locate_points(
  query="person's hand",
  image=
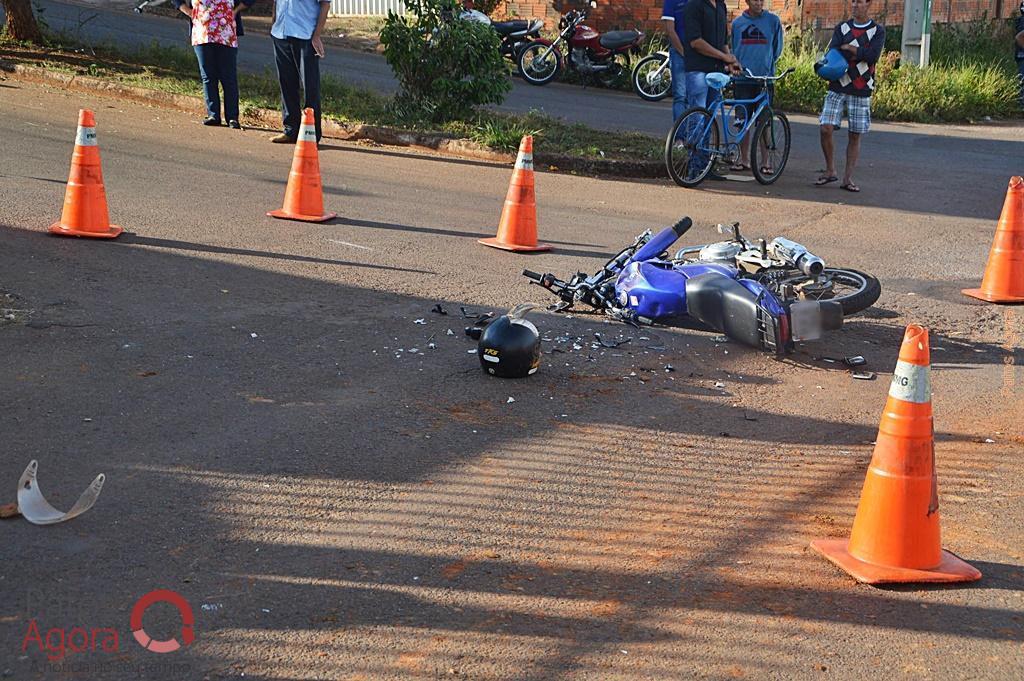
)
(730, 58)
(849, 48)
(318, 45)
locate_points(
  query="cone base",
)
(494, 243)
(282, 215)
(950, 568)
(112, 232)
(981, 294)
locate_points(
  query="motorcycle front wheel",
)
(646, 84)
(853, 290)
(691, 147)
(535, 67)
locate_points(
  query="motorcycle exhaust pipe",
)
(796, 255)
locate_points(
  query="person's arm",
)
(873, 50)
(318, 43)
(242, 5)
(695, 39)
(668, 24)
(1019, 38)
(780, 41)
(183, 7)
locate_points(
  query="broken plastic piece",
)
(855, 361)
(864, 375)
(439, 310)
(37, 510)
(474, 332)
(610, 343)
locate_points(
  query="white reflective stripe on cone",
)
(307, 133)
(524, 161)
(86, 137)
(911, 383)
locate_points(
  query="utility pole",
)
(917, 32)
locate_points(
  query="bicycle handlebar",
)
(748, 74)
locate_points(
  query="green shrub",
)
(445, 67)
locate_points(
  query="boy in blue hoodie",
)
(757, 43)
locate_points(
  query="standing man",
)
(860, 40)
(1018, 43)
(757, 43)
(706, 48)
(674, 25)
(297, 52)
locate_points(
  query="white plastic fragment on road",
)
(419, 321)
(38, 511)
(510, 400)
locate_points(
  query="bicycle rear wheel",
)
(769, 150)
(691, 147)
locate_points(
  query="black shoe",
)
(283, 139)
(211, 121)
(235, 125)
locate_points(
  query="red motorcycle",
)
(590, 53)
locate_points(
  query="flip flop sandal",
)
(823, 180)
(738, 167)
(850, 187)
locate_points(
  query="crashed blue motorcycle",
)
(767, 295)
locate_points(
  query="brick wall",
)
(819, 14)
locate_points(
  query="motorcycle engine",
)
(724, 252)
(581, 60)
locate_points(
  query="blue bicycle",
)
(702, 136)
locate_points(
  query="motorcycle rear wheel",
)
(536, 70)
(652, 91)
(852, 289)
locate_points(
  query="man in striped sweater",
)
(861, 41)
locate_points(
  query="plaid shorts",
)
(858, 111)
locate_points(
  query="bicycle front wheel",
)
(691, 147)
(769, 150)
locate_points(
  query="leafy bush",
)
(445, 67)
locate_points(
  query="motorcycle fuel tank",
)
(656, 290)
(584, 36)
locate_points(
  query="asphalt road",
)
(337, 499)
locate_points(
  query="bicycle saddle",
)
(717, 81)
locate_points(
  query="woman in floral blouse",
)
(215, 40)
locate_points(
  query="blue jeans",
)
(697, 91)
(678, 68)
(297, 66)
(218, 66)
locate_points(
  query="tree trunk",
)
(21, 22)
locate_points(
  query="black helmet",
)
(510, 345)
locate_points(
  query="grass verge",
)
(171, 69)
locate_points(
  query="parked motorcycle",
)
(590, 53)
(652, 77)
(515, 35)
(767, 295)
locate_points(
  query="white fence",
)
(366, 7)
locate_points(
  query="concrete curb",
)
(438, 142)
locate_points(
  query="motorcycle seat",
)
(613, 40)
(508, 27)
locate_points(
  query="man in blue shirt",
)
(757, 42)
(297, 52)
(675, 30)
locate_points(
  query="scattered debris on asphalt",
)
(864, 375)
(9, 511)
(419, 321)
(439, 310)
(38, 511)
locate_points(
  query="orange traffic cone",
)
(85, 201)
(895, 535)
(1004, 275)
(517, 230)
(304, 196)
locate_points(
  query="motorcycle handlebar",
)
(532, 275)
